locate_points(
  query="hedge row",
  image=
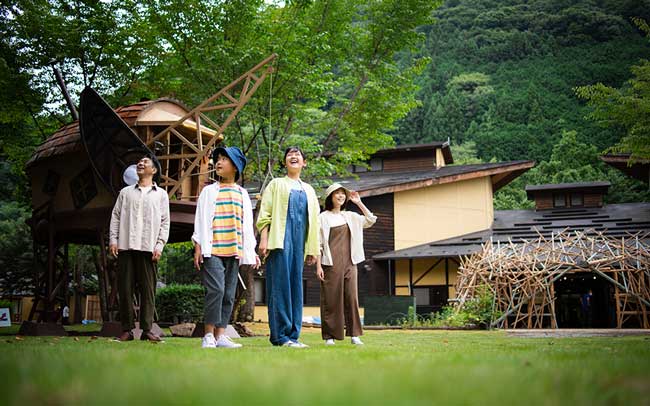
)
(180, 303)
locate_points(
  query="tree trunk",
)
(245, 299)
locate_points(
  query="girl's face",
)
(294, 161)
(224, 167)
(338, 198)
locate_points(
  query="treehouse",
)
(77, 173)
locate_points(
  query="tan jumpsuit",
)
(339, 300)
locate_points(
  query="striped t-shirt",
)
(227, 223)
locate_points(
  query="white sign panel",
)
(5, 320)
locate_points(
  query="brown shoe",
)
(126, 336)
(149, 336)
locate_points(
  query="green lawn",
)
(394, 367)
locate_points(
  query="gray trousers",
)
(220, 280)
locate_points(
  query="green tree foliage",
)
(16, 257)
(337, 88)
(177, 266)
(572, 161)
(626, 108)
(531, 55)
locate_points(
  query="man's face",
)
(145, 167)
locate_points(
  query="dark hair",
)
(292, 149)
(329, 205)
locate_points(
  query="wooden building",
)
(429, 269)
(418, 196)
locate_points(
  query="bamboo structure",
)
(521, 275)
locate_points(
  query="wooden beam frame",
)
(249, 82)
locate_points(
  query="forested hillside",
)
(501, 86)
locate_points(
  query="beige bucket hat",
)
(333, 188)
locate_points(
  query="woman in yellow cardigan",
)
(288, 225)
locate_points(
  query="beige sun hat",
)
(333, 188)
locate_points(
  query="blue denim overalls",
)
(284, 274)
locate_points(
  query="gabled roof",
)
(597, 187)
(378, 183)
(68, 138)
(401, 149)
(638, 169)
(614, 220)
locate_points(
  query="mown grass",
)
(394, 367)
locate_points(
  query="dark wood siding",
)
(373, 276)
(593, 200)
(410, 162)
(544, 200)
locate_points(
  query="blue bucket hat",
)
(235, 155)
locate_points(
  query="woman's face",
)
(294, 161)
(338, 198)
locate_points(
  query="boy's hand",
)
(198, 258)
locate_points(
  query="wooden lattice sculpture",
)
(522, 274)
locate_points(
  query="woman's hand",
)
(198, 258)
(320, 273)
(257, 263)
(262, 249)
(354, 197)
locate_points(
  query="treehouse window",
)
(83, 188)
(51, 183)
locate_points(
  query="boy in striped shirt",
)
(223, 241)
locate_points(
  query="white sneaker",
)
(329, 341)
(225, 342)
(295, 344)
(356, 341)
(209, 341)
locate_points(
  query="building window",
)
(430, 298)
(83, 188)
(260, 291)
(51, 183)
(360, 168)
(576, 199)
(422, 296)
(559, 200)
(376, 164)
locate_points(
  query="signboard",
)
(5, 320)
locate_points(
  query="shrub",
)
(180, 303)
(5, 304)
(476, 312)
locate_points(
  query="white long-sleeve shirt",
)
(356, 223)
(203, 224)
(140, 219)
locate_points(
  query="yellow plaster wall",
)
(435, 277)
(442, 211)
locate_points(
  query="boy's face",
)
(294, 160)
(145, 167)
(224, 167)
